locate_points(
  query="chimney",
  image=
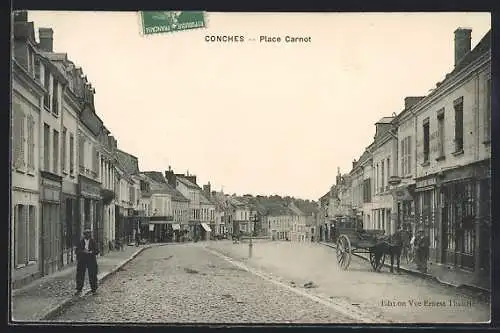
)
(354, 163)
(171, 178)
(21, 16)
(412, 100)
(46, 36)
(462, 43)
(207, 189)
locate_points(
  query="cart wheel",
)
(343, 252)
(377, 265)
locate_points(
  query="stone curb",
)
(50, 314)
(424, 275)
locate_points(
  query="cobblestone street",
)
(300, 263)
(185, 283)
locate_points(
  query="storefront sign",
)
(426, 182)
(51, 194)
(89, 189)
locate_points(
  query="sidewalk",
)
(46, 296)
(453, 277)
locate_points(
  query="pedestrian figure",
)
(137, 238)
(422, 244)
(86, 253)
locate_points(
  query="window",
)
(440, 119)
(18, 136)
(81, 153)
(37, 69)
(25, 235)
(46, 84)
(382, 179)
(31, 143)
(406, 156)
(63, 150)
(367, 197)
(388, 168)
(55, 100)
(487, 116)
(71, 154)
(55, 152)
(46, 147)
(459, 124)
(426, 140)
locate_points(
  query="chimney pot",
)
(462, 43)
(46, 36)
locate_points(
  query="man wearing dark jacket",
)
(86, 253)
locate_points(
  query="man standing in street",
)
(422, 250)
(86, 253)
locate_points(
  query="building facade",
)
(384, 161)
(27, 94)
(452, 159)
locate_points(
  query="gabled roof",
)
(187, 183)
(163, 187)
(155, 175)
(129, 162)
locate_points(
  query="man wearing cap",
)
(86, 253)
(422, 250)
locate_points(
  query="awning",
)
(176, 226)
(206, 227)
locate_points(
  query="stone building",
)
(450, 136)
(26, 112)
(384, 162)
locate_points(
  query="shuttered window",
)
(31, 143)
(19, 136)
(81, 148)
(63, 149)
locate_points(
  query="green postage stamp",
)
(158, 22)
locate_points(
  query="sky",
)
(257, 118)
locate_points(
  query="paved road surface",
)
(401, 294)
(185, 283)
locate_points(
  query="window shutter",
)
(23, 140)
(408, 153)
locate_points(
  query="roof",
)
(385, 120)
(307, 207)
(204, 200)
(155, 175)
(163, 187)
(479, 50)
(187, 183)
(129, 162)
(279, 210)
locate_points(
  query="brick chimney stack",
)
(207, 190)
(46, 36)
(462, 43)
(171, 178)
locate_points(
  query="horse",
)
(391, 245)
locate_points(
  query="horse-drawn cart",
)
(351, 238)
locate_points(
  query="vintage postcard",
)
(247, 168)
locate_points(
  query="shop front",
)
(427, 217)
(205, 231)
(161, 229)
(69, 221)
(51, 245)
(90, 209)
(465, 201)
